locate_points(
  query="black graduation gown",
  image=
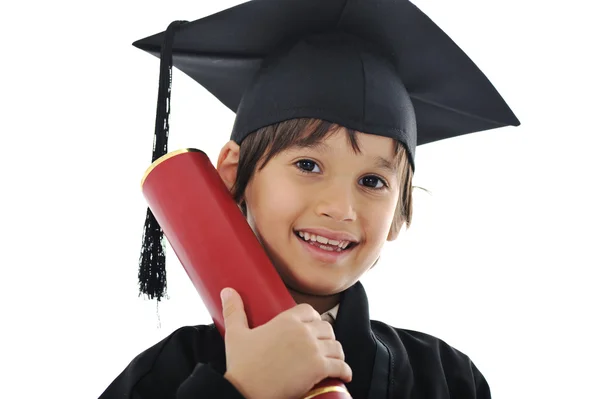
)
(386, 363)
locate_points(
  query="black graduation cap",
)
(376, 66)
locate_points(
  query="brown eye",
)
(306, 165)
(373, 182)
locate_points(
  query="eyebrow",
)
(381, 162)
(385, 164)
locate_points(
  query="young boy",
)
(328, 97)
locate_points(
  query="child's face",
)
(331, 188)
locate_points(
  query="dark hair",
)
(260, 147)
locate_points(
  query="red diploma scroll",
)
(215, 244)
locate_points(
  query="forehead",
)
(340, 140)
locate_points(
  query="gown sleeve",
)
(171, 370)
(434, 369)
(466, 382)
(482, 389)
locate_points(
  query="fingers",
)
(234, 315)
(305, 313)
(336, 368)
(321, 329)
(332, 349)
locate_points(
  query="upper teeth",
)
(323, 240)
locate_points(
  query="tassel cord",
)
(152, 277)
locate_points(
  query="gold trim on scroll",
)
(320, 391)
(164, 158)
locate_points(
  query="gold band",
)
(320, 391)
(164, 158)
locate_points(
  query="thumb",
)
(233, 309)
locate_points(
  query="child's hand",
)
(284, 358)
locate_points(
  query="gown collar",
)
(353, 329)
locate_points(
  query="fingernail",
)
(225, 294)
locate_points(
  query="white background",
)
(501, 261)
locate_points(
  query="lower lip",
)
(322, 254)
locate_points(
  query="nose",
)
(336, 202)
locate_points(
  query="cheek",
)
(377, 219)
(273, 201)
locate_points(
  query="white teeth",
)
(323, 240)
(330, 249)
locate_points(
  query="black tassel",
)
(152, 273)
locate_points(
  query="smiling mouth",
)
(325, 244)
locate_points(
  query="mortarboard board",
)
(375, 66)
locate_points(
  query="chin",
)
(314, 279)
(316, 285)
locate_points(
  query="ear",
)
(227, 164)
